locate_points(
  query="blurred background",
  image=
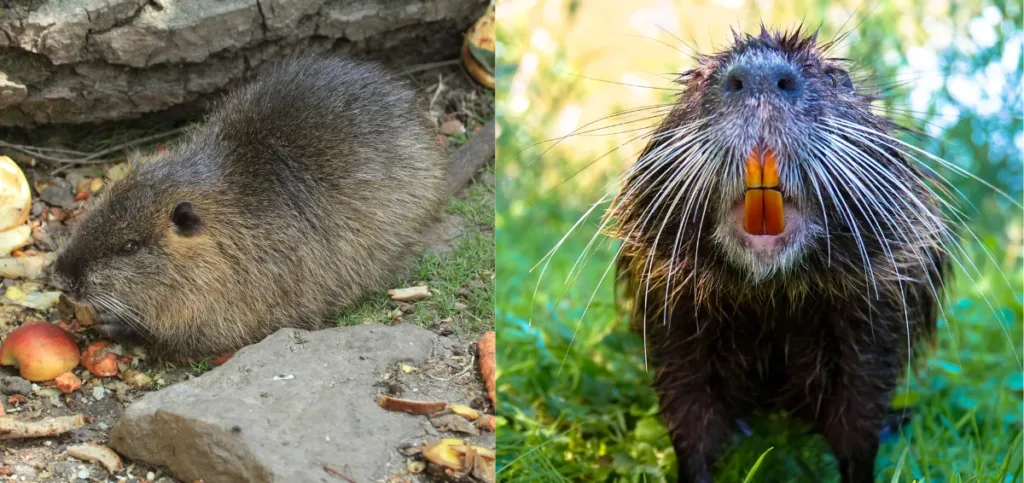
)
(576, 397)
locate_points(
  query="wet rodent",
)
(819, 320)
(299, 193)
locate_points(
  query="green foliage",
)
(576, 402)
(200, 367)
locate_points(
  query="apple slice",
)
(42, 351)
(14, 239)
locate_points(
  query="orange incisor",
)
(762, 214)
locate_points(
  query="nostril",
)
(733, 83)
(787, 83)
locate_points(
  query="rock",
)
(59, 193)
(453, 127)
(11, 92)
(11, 385)
(37, 208)
(239, 422)
(97, 60)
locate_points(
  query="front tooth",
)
(774, 222)
(770, 170)
(753, 175)
(753, 212)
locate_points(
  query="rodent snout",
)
(749, 77)
(66, 274)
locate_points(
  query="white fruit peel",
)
(15, 195)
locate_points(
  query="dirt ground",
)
(62, 191)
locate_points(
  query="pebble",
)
(453, 127)
(59, 193)
(12, 385)
(97, 392)
(74, 179)
(37, 209)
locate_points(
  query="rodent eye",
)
(837, 78)
(128, 248)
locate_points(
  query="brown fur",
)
(308, 188)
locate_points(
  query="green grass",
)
(200, 367)
(587, 410)
(576, 398)
(461, 280)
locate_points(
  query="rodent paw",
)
(112, 327)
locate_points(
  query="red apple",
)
(42, 351)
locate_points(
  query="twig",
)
(84, 158)
(430, 65)
(43, 149)
(131, 143)
(35, 152)
(337, 473)
(440, 87)
(11, 428)
(59, 150)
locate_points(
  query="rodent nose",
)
(66, 273)
(774, 76)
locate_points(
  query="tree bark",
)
(79, 61)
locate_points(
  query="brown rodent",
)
(301, 192)
(808, 294)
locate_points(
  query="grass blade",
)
(899, 466)
(757, 464)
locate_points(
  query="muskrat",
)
(780, 251)
(300, 192)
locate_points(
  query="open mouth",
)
(763, 220)
(762, 203)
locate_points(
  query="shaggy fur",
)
(300, 193)
(825, 327)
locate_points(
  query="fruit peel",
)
(100, 359)
(464, 411)
(15, 195)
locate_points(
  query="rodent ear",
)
(186, 219)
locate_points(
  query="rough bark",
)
(77, 61)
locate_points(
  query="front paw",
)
(112, 327)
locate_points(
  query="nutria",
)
(780, 252)
(300, 192)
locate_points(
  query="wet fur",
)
(816, 333)
(314, 185)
